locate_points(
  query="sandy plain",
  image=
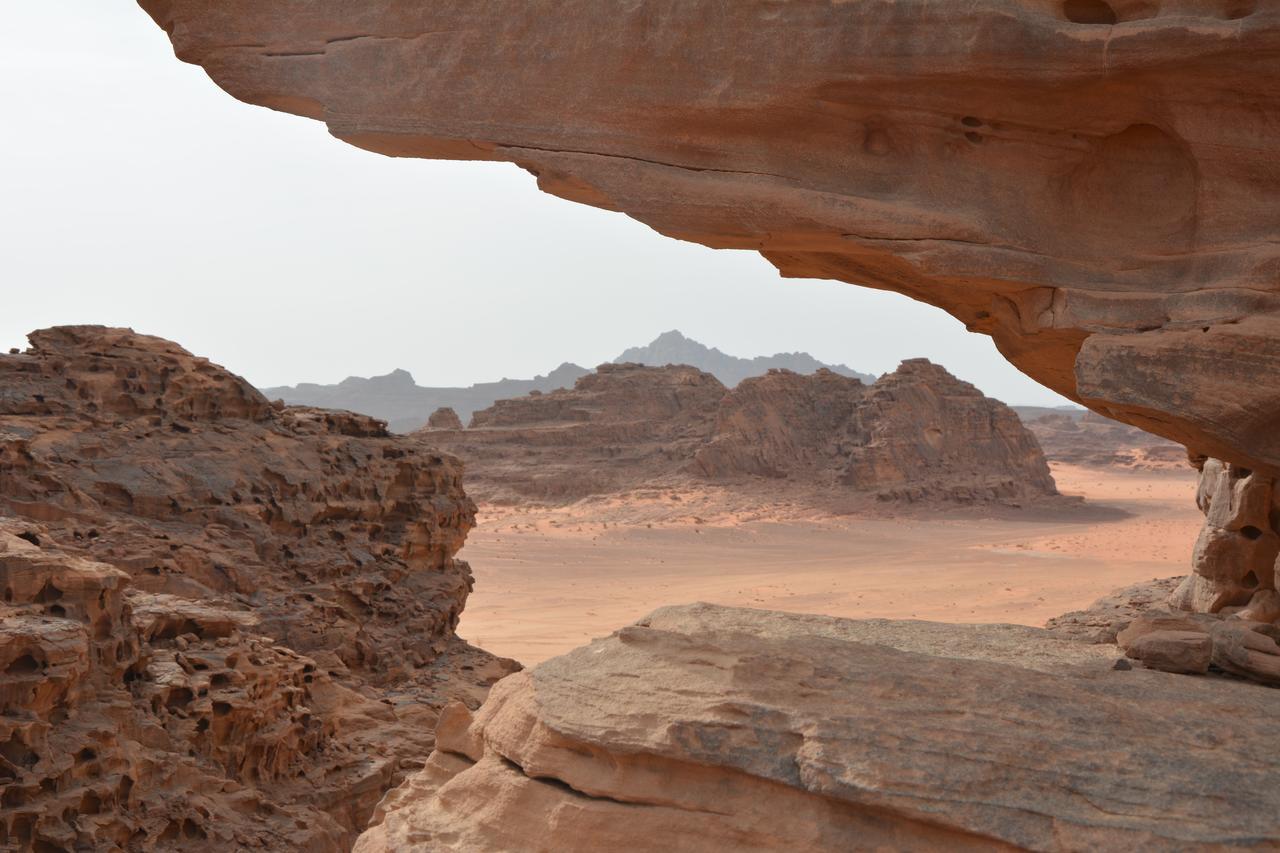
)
(548, 581)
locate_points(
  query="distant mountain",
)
(405, 405)
(674, 348)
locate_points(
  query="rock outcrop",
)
(618, 428)
(1091, 439)
(1235, 555)
(1089, 182)
(917, 434)
(224, 624)
(708, 728)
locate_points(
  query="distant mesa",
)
(397, 399)
(917, 434)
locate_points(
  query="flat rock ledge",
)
(704, 727)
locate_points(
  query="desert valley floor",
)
(549, 580)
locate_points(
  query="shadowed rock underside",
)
(1090, 182)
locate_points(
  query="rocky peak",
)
(117, 374)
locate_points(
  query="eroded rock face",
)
(1235, 556)
(222, 624)
(709, 728)
(917, 434)
(1090, 182)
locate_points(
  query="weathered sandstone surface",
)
(1093, 183)
(917, 434)
(708, 728)
(223, 625)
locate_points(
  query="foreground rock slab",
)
(703, 727)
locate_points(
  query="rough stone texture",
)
(1090, 182)
(917, 434)
(1091, 439)
(239, 619)
(1173, 651)
(708, 728)
(1192, 643)
(1235, 555)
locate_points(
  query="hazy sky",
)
(134, 192)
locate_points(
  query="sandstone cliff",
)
(916, 434)
(1090, 182)
(224, 625)
(710, 728)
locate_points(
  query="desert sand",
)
(548, 581)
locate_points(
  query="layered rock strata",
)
(225, 624)
(1089, 182)
(704, 728)
(916, 434)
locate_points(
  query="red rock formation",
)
(710, 728)
(616, 429)
(1090, 182)
(916, 434)
(223, 624)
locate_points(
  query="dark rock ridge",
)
(1090, 182)
(712, 728)
(674, 348)
(224, 625)
(406, 405)
(916, 434)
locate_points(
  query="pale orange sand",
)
(548, 581)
